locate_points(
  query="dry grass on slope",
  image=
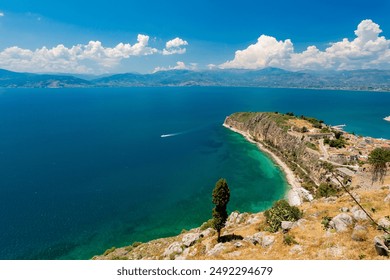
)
(308, 240)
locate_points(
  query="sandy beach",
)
(296, 191)
(387, 119)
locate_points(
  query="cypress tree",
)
(221, 196)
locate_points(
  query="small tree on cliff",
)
(221, 196)
(378, 159)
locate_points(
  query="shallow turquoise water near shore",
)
(83, 170)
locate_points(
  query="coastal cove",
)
(87, 169)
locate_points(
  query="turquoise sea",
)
(82, 170)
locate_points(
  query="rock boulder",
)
(341, 222)
(190, 239)
(359, 233)
(174, 249)
(359, 215)
(380, 246)
(267, 241)
(255, 239)
(384, 222)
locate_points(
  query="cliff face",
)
(273, 131)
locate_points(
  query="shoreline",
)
(295, 191)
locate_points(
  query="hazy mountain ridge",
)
(268, 77)
(9, 79)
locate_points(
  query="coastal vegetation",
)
(315, 122)
(221, 197)
(279, 212)
(338, 142)
(326, 190)
(311, 146)
(379, 158)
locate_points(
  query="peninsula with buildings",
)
(344, 203)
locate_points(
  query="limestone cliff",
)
(276, 132)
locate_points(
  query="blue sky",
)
(144, 36)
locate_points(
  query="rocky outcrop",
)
(384, 222)
(360, 215)
(190, 239)
(246, 236)
(255, 238)
(236, 218)
(380, 246)
(387, 199)
(266, 128)
(174, 249)
(341, 222)
(217, 249)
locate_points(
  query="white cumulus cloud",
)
(89, 58)
(180, 65)
(175, 46)
(1, 14)
(266, 52)
(367, 51)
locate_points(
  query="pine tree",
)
(221, 196)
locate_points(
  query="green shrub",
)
(108, 251)
(326, 190)
(309, 185)
(206, 225)
(328, 166)
(311, 146)
(336, 143)
(119, 258)
(281, 211)
(315, 122)
(289, 240)
(136, 244)
(325, 221)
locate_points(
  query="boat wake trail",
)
(196, 129)
(170, 135)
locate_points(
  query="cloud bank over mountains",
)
(367, 51)
(90, 58)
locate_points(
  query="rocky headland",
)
(345, 212)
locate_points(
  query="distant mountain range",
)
(268, 77)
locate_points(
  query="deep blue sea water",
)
(82, 170)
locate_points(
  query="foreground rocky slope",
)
(350, 235)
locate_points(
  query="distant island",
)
(367, 80)
(345, 203)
